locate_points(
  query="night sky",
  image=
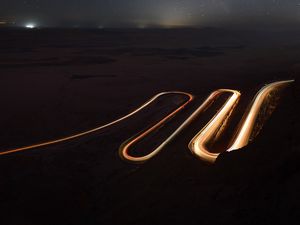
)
(146, 13)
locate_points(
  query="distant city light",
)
(30, 26)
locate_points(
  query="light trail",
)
(247, 123)
(125, 147)
(68, 138)
(198, 144)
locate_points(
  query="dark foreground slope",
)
(55, 83)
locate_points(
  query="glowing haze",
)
(147, 13)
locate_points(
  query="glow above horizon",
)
(30, 26)
(145, 13)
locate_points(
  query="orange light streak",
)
(125, 147)
(68, 138)
(198, 144)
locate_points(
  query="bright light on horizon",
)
(30, 26)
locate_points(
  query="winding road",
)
(198, 145)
